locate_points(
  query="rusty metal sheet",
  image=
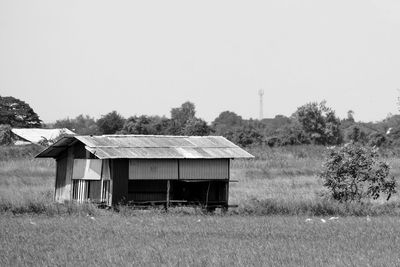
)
(165, 153)
(161, 147)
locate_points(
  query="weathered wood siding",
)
(61, 171)
(66, 193)
(119, 177)
(95, 190)
(153, 169)
(204, 169)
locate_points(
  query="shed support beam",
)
(67, 192)
(168, 194)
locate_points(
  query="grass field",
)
(193, 240)
(276, 193)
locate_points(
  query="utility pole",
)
(261, 94)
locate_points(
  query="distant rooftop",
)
(35, 135)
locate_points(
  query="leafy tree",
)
(180, 116)
(226, 124)
(319, 123)
(196, 127)
(246, 135)
(377, 139)
(227, 119)
(183, 113)
(17, 113)
(82, 124)
(356, 135)
(355, 173)
(110, 123)
(271, 126)
(291, 134)
(350, 116)
(153, 125)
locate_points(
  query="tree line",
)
(312, 123)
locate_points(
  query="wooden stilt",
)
(208, 191)
(168, 194)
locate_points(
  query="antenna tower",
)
(261, 94)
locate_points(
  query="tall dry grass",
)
(278, 181)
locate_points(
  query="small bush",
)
(355, 173)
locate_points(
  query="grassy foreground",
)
(192, 240)
(276, 193)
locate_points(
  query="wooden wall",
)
(64, 170)
(119, 177)
(153, 169)
(61, 172)
(204, 169)
(184, 169)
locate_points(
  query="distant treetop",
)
(17, 113)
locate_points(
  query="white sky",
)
(144, 57)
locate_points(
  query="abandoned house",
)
(143, 170)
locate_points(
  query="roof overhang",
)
(57, 148)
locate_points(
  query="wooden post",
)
(102, 181)
(208, 190)
(168, 194)
(67, 192)
(227, 187)
(56, 196)
(111, 185)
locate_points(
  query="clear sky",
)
(144, 57)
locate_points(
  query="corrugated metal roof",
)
(35, 135)
(151, 147)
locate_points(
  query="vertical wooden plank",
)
(227, 184)
(208, 191)
(61, 169)
(109, 193)
(56, 186)
(112, 182)
(73, 189)
(120, 175)
(67, 192)
(110, 188)
(87, 190)
(80, 190)
(101, 181)
(168, 193)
